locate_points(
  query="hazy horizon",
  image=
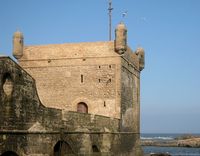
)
(168, 30)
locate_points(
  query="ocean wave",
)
(157, 138)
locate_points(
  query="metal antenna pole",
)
(110, 19)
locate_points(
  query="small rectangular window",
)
(81, 78)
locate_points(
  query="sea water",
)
(174, 151)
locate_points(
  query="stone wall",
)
(129, 92)
(80, 75)
(85, 143)
(21, 105)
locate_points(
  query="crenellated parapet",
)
(141, 56)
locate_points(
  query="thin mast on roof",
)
(110, 19)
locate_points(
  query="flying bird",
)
(124, 13)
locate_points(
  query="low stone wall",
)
(73, 143)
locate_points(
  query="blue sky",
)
(168, 30)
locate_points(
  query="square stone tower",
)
(100, 78)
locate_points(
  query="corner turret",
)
(18, 44)
(140, 53)
(120, 38)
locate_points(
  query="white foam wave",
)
(157, 138)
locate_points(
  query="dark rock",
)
(160, 154)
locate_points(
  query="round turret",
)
(18, 34)
(120, 38)
(140, 50)
(18, 45)
(140, 53)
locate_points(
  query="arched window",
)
(9, 153)
(62, 148)
(82, 107)
(7, 84)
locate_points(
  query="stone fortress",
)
(71, 99)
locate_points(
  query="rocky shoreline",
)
(183, 141)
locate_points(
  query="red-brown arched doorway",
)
(82, 107)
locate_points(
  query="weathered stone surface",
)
(68, 80)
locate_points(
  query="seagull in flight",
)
(124, 13)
